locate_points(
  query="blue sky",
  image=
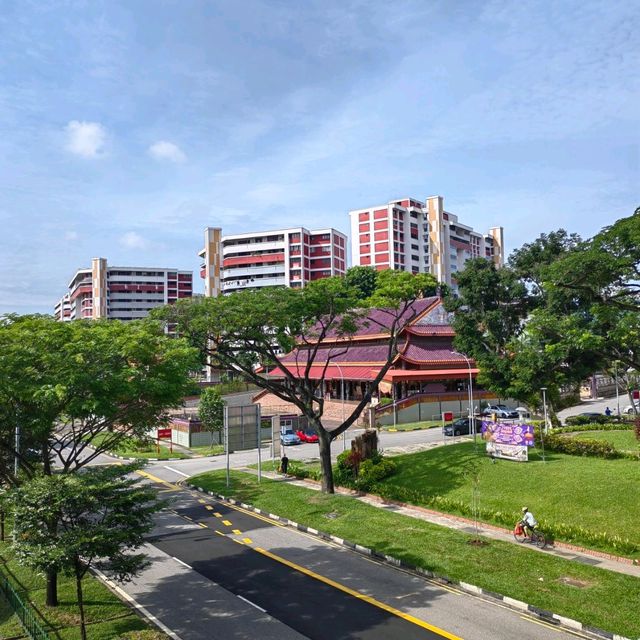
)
(126, 127)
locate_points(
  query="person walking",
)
(284, 464)
(607, 412)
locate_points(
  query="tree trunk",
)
(52, 588)
(324, 443)
(2, 516)
(83, 629)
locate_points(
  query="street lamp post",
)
(617, 389)
(344, 433)
(544, 405)
(472, 420)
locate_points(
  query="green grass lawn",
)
(207, 450)
(108, 616)
(621, 440)
(412, 426)
(127, 449)
(595, 494)
(606, 599)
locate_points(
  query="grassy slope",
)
(412, 426)
(608, 600)
(621, 440)
(110, 618)
(564, 489)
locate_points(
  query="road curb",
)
(544, 615)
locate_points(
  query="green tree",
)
(267, 322)
(211, 410)
(99, 518)
(560, 310)
(65, 384)
(363, 279)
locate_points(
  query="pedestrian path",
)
(560, 549)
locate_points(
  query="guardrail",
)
(25, 613)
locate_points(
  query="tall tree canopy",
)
(71, 522)
(64, 384)
(267, 322)
(558, 311)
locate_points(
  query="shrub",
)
(373, 472)
(593, 426)
(578, 420)
(385, 401)
(577, 447)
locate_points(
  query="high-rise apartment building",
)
(284, 257)
(420, 237)
(121, 293)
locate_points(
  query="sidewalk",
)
(560, 549)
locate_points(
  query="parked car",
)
(501, 411)
(591, 414)
(459, 427)
(288, 436)
(307, 435)
(629, 408)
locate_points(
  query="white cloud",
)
(71, 235)
(133, 240)
(164, 150)
(85, 139)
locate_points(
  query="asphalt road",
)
(222, 572)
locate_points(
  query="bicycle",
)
(536, 537)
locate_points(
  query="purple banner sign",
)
(502, 433)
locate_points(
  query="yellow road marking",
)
(145, 474)
(203, 525)
(357, 594)
(217, 515)
(247, 540)
(188, 518)
(238, 541)
(201, 501)
(209, 507)
(226, 522)
(237, 531)
(219, 532)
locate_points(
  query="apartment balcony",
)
(253, 247)
(251, 283)
(247, 272)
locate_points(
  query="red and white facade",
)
(284, 257)
(121, 293)
(420, 237)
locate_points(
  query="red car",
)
(307, 436)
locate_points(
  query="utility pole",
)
(16, 459)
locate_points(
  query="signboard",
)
(511, 452)
(636, 394)
(242, 431)
(513, 434)
(508, 441)
(447, 416)
(164, 434)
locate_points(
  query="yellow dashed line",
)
(226, 522)
(237, 531)
(201, 501)
(356, 594)
(203, 525)
(247, 540)
(209, 507)
(217, 515)
(238, 541)
(218, 532)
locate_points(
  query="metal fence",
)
(25, 613)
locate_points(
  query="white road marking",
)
(253, 604)
(184, 564)
(186, 475)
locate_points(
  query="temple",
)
(426, 369)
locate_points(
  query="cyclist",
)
(528, 522)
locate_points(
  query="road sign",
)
(447, 416)
(164, 434)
